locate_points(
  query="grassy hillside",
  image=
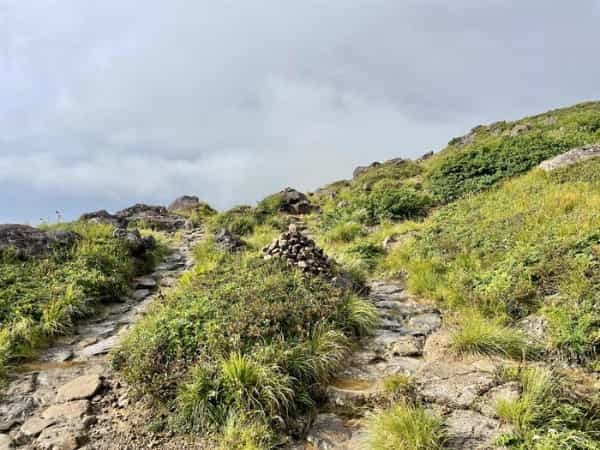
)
(42, 297)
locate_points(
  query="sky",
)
(106, 104)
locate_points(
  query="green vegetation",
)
(43, 297)
(487, 336)
(405, 427)
(199, 215)
(242, 338)
(547, 416)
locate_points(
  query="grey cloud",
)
(107, 103)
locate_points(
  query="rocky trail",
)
(409, 341)
(69, 397)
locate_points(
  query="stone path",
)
(60, 400)
(409, 341)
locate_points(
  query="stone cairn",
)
(300, 251)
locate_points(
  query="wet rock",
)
(70, 410)
(354, 392)
(141, 294)
(104, 217)
(226, 241)
(145, 283)
(80, 388)
(29, 242)
(100, 347)
(35, 425)
(57, 354)
(327, 432)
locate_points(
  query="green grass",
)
(405, 427)
(242, 337)
(43, 297)
(477, 334)
(546, 416)
(530, 245)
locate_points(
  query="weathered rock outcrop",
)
(103, 216)
(571, 157)
(185, 203)
(28, 241)
(361, 169)
(154, 217)
(137, 244)
(292, 201)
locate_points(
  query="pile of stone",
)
(300, 251)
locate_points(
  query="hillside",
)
(448, 302)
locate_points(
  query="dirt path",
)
(409, 341)
(69, 397)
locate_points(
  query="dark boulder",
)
(185, 203)
(154, 217)
(292, 201)
(361, 169)
(29, 242)
(103, 216)
(426, 156)
(138, 246)
(225, 240)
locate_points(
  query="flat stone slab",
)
(57, 355)
(61, 437)
(453, 384)
(469, 429)
(35, 425)
(100, 348)
(70, 410)
(145, 283)
(141, 294)
(328, 432)
(79, 388)
(5, 442)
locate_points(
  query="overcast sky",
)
(107, 103)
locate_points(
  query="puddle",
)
(40, 366)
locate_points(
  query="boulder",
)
(426, 156)
(227, 241)
(571, 157)
(103, 216)
(294, 202)
(185, 203)
(138, 245)
(361, 169)
(154, 217)
(32, 242)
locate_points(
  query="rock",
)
(453, 384)
(519, 129)
(145, 283)
(29, 242)
(571, 157)
(185, 203)
(469, 429)
(328, 432)
(57, 354)
(154, 217)
(70, 410)
(62, 437)
(5, 442)
(505, 392)
(35, 426)
(407, 346)
(389, 241)
(425, 323)
(80, 388)
(103, 216)
(225, 240)
(141, 294)
(426, 156)
(535, 326)
(361, 169)
(138, 246)
(302, 252)
(292, 201)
